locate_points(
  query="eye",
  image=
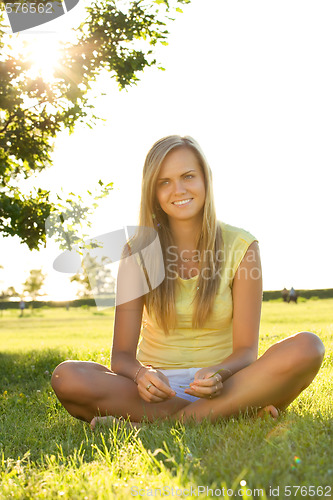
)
(189, 176)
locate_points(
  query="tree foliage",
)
(34, 283)
(118, 37)
(95, 280)
(10, 293)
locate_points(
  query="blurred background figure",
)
(293, 295)
(22, 306)
(285, 294)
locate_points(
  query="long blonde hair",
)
(161, 300)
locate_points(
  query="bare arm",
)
(128, 318)
(127, 326)
(247, 298)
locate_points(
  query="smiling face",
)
(180, 187)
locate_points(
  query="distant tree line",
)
(324, 293)
(97, 283)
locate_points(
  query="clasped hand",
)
(153, 386)
(207, 383)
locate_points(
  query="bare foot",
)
(270, 409)
(108, 422)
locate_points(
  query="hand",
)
(206, 384)
(153, 386)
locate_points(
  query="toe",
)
(270, 410)
(102, 421)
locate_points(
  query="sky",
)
(252, 83)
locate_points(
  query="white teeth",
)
(181, 202)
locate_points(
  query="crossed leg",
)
(88, 389)
(276, 378)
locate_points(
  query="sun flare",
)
(44, 56)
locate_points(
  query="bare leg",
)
(88, 389)
(276, 378)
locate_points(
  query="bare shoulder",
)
(251, 263)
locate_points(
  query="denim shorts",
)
(181, 377)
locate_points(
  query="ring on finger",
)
(148, 387)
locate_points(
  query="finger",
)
(194, 393)
(206, 391)
(205, 382)
(160, 388)
(152, 379)
(150, 390)
(155, 391)
(150, 398)
(210, 395)
(203, 396)
(200, 391)
(207, 388)
(164, 378)
(209, 381)
(217, 377)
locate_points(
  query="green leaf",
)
(35, 111)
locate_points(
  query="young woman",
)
(199, 327)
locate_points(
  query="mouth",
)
(182, 203)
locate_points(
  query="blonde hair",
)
(161, 300)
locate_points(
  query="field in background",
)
(315, 294)
(48, 454)
(88, 328)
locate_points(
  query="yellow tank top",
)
(186, 347)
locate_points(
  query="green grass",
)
(47, 454)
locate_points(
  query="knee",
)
(310, 349)
(63, 378)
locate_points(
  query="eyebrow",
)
(167, 178)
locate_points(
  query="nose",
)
(179, 187)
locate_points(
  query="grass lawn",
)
(45, 453)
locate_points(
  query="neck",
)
(186, 233)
